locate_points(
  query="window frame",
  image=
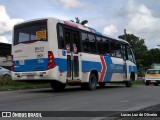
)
(27, 25)
(95, 36)
(69, 28)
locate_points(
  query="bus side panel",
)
(114, 69)
(89, 62)
(109, 69)
(62, 65)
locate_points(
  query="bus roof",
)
(89, 29)
(76, 25)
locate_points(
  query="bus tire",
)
(92, 84)
(57, 86)
(102, 84)
(128, 84)
(155, 84)
(147, 83)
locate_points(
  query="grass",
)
(8, 84)
(138, 82)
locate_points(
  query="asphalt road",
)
(111, 98)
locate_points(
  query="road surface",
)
(111, 98)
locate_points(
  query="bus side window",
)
(61, 38)
(99, 43)
(130, 55)
(123, 51)
(76, 42)
(112, 46)
(106, 46)
(92, 44)
(84, 41)
(118, 49)
(67, 40)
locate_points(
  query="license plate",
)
(30, 76)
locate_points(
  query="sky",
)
(110, 17)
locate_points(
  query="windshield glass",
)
(153, 72)
(30, 32)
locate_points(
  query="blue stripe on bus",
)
(31, 65)
(62, 64)
(132, 69)
(87, 66)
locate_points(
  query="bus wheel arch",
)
(95, 72)
(132, 76)
(92, 82)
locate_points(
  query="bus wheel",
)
(102, 84)
(57, 86)
(146, 83)
(128, 84)
(155, 84)
(91, 85)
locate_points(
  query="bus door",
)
(72, 44)
(124, 51)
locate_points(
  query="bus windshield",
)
(153, 72)
(30, 32)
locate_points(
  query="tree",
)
(153, 56)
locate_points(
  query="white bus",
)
(64, 52)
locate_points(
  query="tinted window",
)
(103, 46)
(106, 46)
(92, 44)
(112, 46)
(124, 51)
(28, 32)
(72, 40)
(67, 40)
(61, 37)
(100, 45)
(130, 55)
(76, 41)
(118, 49)
(115, 48)
(85, 42)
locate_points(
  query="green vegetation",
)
(138, 82)
(8, 84)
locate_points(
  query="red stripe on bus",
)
(103, 69)
(71, 24)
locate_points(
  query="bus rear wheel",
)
(57, 86)
(147, 83)
(155, 84)
(128, 84)
(91, 85)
